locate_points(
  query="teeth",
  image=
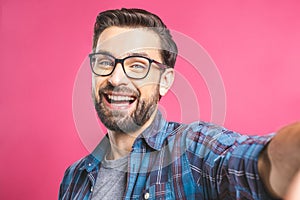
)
(120, 98)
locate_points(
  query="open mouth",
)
(120, 101)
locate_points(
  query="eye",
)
(104, 63)
(137, 67)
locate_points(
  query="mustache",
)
(115, 89)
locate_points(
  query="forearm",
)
(280, 161)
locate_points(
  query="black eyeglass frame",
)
(161, 66)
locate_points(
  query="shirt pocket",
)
(158, 191)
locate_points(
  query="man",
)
(145, 157)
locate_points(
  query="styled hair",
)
(138, 18)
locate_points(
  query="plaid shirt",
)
(177, 161)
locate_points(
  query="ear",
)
(166, 81)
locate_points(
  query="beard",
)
(125, 122)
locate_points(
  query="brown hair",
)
(138, 18)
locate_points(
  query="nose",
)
(118, 77)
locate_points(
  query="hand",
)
(280, 161)
(294, 189)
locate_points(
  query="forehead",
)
(122, 41)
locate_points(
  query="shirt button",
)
(90, 164)
(146, 195)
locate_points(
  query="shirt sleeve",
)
(227, 162)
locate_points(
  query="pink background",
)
(255, 45)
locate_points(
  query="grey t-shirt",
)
(111, 180)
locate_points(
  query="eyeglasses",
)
(135, 67)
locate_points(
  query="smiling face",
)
(124, 104)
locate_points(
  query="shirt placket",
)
(134, 164)
(91, 181)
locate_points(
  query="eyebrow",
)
(129, 54)
(104, 52)
(139, 54)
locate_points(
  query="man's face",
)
(124, 104)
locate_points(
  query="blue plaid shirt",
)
(177, 161)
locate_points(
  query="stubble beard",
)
(124, 122)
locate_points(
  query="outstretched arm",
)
(279, 162)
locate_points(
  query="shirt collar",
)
(156, 133)
(93, 160)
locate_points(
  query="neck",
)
(121, 143)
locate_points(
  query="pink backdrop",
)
(254, 44)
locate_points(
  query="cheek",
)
(97, 82)
(148, 87)
(149, 82)
(148, 91)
